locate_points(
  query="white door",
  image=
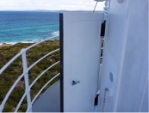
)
(80, 59)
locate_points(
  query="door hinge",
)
(96, 98)
(103, 25)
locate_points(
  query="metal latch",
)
(75, 82)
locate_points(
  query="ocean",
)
(27, 27)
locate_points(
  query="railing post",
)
(25, 71)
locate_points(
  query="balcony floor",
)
(49, 101)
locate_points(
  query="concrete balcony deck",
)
(49, 101)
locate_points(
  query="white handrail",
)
(25, 74)
(40, 42)
(9, 92)
(15, 57)
(44, 87)
(42, 58)
(43, 73)
(21, 100)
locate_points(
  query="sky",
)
(49, 5)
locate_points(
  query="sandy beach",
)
(5, 44)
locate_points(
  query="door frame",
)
(61, 62)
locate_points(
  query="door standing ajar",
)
(80, 43)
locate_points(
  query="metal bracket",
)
(107, 6)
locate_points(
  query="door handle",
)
(74, 82)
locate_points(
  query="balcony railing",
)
(26, 78)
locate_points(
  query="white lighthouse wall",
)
(125, 69)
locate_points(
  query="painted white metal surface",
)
(125, 70)
(82, 43)
(25, 71)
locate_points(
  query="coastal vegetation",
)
(9, 76)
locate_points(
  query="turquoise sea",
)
(27, 27)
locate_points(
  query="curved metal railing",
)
(26, 79)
